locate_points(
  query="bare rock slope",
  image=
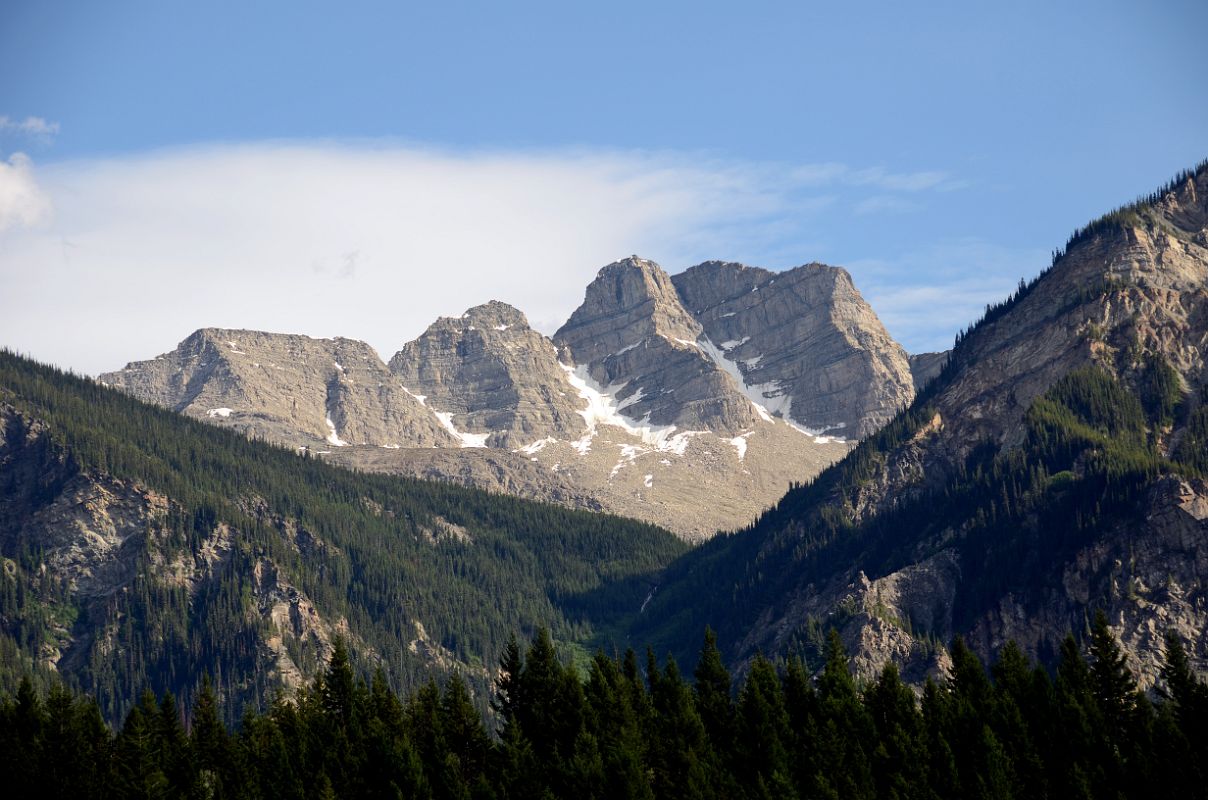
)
(1125, 306)
(692, 402)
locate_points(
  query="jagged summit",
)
(628, 301)
(493, 315)
(633, 332)
(285, 388)
(691, 401)
(499, 379)
(803, 342)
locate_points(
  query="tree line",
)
(364, 548)
(632, 730)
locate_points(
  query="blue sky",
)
(239, 163)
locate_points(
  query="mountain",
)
(806, 342)
(691, 401)
(1054, 465)
(141, 548)
(495, 374)
(285, 388)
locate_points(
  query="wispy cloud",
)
(886, 203)
(23, 203)
(31, 127)
(898, 181)
(372, 240)
(369, 241)
(924, 297)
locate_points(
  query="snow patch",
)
(730, 345)
(502, 327)
(420, 398)
(769, 399)
(740, 444)
(219, 412)
(728, 314)
(604, 409)
(337, 365)
(649, 481)
(537, 446)
(333, 437)
(467, 439)
(626, 349)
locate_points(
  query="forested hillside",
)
(1055, 466)
(634, 731)
(143, 549)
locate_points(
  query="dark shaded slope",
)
(1047, 449)
(142, 548)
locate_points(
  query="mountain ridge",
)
(632, 406)
(1053, 431)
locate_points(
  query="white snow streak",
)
(333, 437)
(603, 409)
(740, 444)
(219, 412)
(467, 439)
(446, 421)
(537, 446)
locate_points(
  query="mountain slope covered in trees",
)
(1018, 732)
(1055, 466)
(142, 550)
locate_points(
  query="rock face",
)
(102, 538)
(692, 402)
(925, 366)
(496, 375)
(633, 335)
(1130, 291)
(288, 389)
(804, 341)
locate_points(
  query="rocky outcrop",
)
(804, 341)
(288, 389)
(498, 377)
(925, 366)
(1149, 579)
(692, 402)
(633, 336)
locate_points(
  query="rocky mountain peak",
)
(804, 343)
(494, 315)
(285, 388)
(628, 301)
(492, 378)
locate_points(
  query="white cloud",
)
(886, 203)
(366, 241)
(374, 241)
(924, 297)
(22, 202)
(898, 182)
(34, 127)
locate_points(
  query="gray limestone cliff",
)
(285, 388)
(495, 374)
(633, 333)
(806, 338)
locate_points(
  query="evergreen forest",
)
(371, 552)
(644, 730)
